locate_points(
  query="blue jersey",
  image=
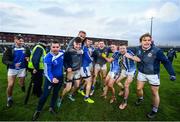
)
(86, 58)
(128, 64)
(18, 57)
(53, 65)
(151, 59)
(114, 66)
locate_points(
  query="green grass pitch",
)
(101, 110)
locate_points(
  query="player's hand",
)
(103, 55)
(80, 51)
(69, 69)
(55, 80)
(172, 78)
(127, 55)
(17, 65)
(34, 71)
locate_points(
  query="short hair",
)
(81, 31)
(113, 43)
(145, 35)
(123, 44)
(78, 40)
(54, 42)
(101, 41)
(18, 36)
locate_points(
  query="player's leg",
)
(11, 81)
(141, 78)
(46, 91)
(88, 88)
(82, 87)
(95, 74)
(155, 82)
(155, 101)
(11, 76)
(66, 89)
(126, 92)
(75, 87)
(105, 89)
(69, 81)
(22, 74)
(56, 89)
(121, 86)
(104, 72)
(111, 87)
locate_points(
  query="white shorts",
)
(85, 72)
(74, 75)
(125, 73)
(98, 67)
(18, 73)
(113, 75)
(91, 67)
(152, 79)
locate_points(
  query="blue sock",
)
(85, 97)
(92, 87)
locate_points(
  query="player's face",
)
(91, 42)
(113, 48)
(77, 46)
(96, 45)
(122, 49)
(146, 42)
(55, 47)
(101, 45)
(19, 42)
(88, 43)
(82, 35)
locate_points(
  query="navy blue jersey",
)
(171, 54)
(99, 59)
(151, 59)
(53, 65)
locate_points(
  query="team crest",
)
(149, 54)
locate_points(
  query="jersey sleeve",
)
(48, 69)
(168, 66)
(116, 55)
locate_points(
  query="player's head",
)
(91, 42)
(96, 44)
(82, 34)
(18, 39)
(55, 47)
(101, 44)
(77, 43)
(113, 47)
(146, 41)
(123, 48)
(88, 42)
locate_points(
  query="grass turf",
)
(101, 110)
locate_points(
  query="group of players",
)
(83, 62)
